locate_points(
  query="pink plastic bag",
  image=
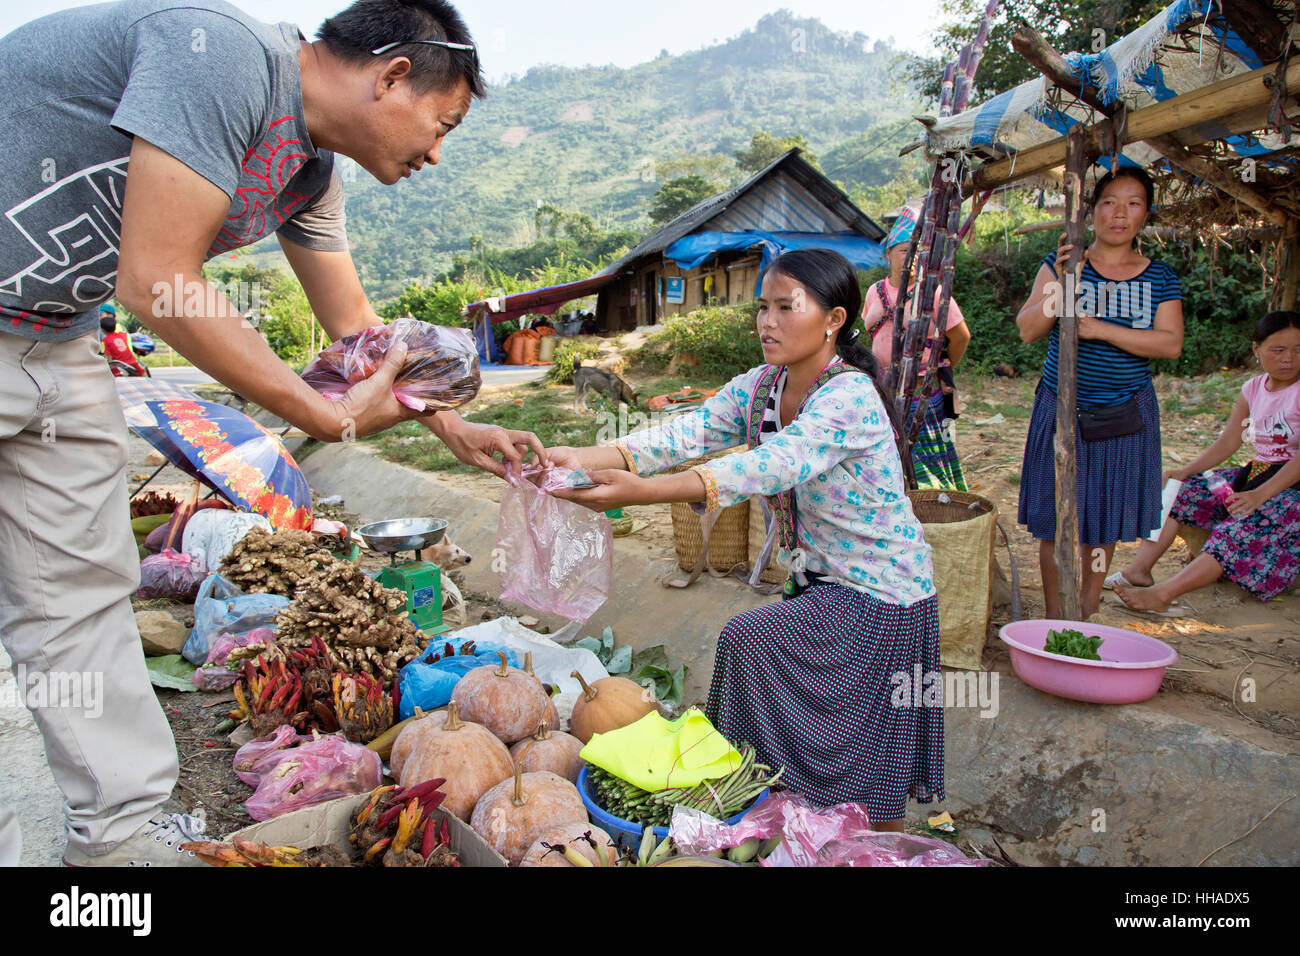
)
(440, 371)
(171, 574)
(814, 836)
(557, 557)
(214, 674)
(322, 769)
(249, 756)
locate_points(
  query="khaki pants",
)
(68, 566)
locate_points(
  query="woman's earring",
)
(828, 335)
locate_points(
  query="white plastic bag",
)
(210, 535)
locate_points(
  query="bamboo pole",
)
(1079, 157)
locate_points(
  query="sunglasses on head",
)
(442, 43)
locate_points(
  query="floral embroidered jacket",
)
(833, 477)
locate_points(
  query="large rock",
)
(160, 633)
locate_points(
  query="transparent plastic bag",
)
(222, 608)
(557, 556)
(253, 753)
(171, 574)
(814, 836)
(440, 371)
(321, 769)
(214, 674)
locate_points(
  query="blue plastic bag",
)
(429, 685)
(222, 608)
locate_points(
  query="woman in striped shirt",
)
(1130, 311)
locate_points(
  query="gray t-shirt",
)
(201, 80)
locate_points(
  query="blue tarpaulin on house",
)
(696, 249)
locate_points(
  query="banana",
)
(647, 847)
(769, 845)
(744, 852)
(576, 858)
(662, 852)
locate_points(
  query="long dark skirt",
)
(1119, 480)
(813, 684)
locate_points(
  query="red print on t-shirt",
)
(271, 164)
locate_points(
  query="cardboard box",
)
(327, 823)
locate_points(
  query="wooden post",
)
(1288, 270)
(1078, 158)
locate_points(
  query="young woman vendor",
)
(813, 682)
(1130, 311)
(1255, 539)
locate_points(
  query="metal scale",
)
(420, 580)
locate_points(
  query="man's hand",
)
(476, 444)
(370, 406)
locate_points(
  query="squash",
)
(576, 835)
(547, 750)
(513, 814)
(608, 704)
(401, 743)
(467, 755)
(503, 699)
(552, 717)
(383, 744)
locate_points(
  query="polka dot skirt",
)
(811, 683)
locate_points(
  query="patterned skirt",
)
(812, 683)
(1260, 552)
(934, 456)
(1119, 479)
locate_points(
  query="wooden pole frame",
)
(1081, 152)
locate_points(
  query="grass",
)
(545, 410)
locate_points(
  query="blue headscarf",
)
(903, 227)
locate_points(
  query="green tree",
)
(1082, 26)
(678, 195)
(719, 170)
(765, 149)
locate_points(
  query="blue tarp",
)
(698, 248)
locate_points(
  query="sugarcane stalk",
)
(938, 329)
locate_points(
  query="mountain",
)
(587, 140)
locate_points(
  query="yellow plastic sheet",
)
(654, 753)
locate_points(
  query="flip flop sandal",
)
(1174, 610)
(1117, 579)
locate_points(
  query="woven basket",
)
(963, 569)
(729, 542)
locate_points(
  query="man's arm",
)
(170, 216)
(333, 288)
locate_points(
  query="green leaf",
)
(620, 662)
(172, 672)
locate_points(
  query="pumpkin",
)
(516, 812)
(608, 704)
(468, 755)
(552, 717)
(401, 743)
(576, 835)
(547, 750)
(503, 699)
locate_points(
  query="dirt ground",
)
(1229, 637)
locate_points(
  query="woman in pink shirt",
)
(1255, 538)
(934, 454)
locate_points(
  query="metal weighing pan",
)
(402, 534)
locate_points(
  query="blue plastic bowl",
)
(626, 832)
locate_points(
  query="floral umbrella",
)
(236, 457)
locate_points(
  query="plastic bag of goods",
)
(212, 534)
(440, 371)
(321, 769)
(222, 608)
(214, 674)
(251, 759)
(558, 557)
(810, 835)
(171, 574)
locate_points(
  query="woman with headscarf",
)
(934, 453)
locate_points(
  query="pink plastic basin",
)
(1131, 668)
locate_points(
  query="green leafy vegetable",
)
(1071, 643)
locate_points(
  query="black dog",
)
(586, 379)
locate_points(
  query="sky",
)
(515, 35)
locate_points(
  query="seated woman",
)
(811, 682)
(1255, 539)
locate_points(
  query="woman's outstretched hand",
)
(614, 489)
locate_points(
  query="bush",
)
(720, 340)
(561, 372)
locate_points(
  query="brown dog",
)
(587, 379)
